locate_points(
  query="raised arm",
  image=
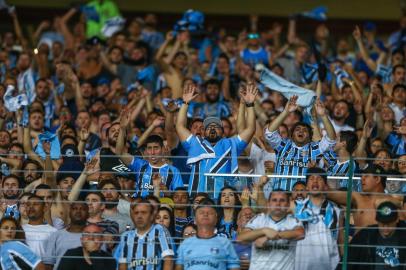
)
(291, 106)
(364, 54)
(90, 168)
(189, 93)
(249, 96)
(360, 153)
(161, 51)
(172, 139)
(18, 31)
(322, 113)
(125, 121)
(159, 121)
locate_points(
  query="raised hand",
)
(368, 127)
(291, 106)
(159, 121)
(400, 130)
(125, 118)
(189, 93)
(357, 33)
(245, 197)
(320, 108)
(169, 36)
(90, 167)
(84, 134)
(250, 93)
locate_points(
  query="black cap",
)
(376, 170)
(386, 212)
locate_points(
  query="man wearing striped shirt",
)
(213, 153)
(294, 155)
(148, 246)
(154, 164)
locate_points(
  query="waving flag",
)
(318, 13)
(13, 103)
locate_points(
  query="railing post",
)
(348, 213)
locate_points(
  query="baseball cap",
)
(386, 212)
(212, 120)
(374, 169)
(369, 26)
(103, 81)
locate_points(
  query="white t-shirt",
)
(36, 236)
(280, 255)
(257, 157)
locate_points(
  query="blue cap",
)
(369, 26)
(103, 81)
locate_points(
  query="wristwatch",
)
(249, 104)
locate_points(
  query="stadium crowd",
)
(125, 148)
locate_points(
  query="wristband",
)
(249, 104)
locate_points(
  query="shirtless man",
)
(364, 204)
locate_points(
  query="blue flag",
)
(318, 13)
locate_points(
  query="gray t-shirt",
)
(121, 219)
(57, 244)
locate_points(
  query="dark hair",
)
(300, 182)
(66, 137)
(190, 224)
(109, 181)
(236, 208)
(171, 228)
(33, 196)
(41, 186)
(302, 124)
(394, 68)
(194, 120)
(36, 163)
(11, 176)
(398, 86)
(97, 193)
(154, 139)
(316, 171)
(211, 82)
(350, 139)
(16, 144)
(153, 198)
(287, 193)
(180, 53)
(223, 55)
(20, 235)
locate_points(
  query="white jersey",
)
(280, 254)
(36, 236)
(318, 250)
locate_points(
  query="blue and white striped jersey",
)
(337, 168)
(292, 159)
(144, 172)
(205, 158)
(145, 252)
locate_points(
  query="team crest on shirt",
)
(214, 250)
(304, 153)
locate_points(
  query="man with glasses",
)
(213, 153)
(89, 256)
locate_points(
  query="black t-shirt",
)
(73, 260)
(110, 162)
(387, 255)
